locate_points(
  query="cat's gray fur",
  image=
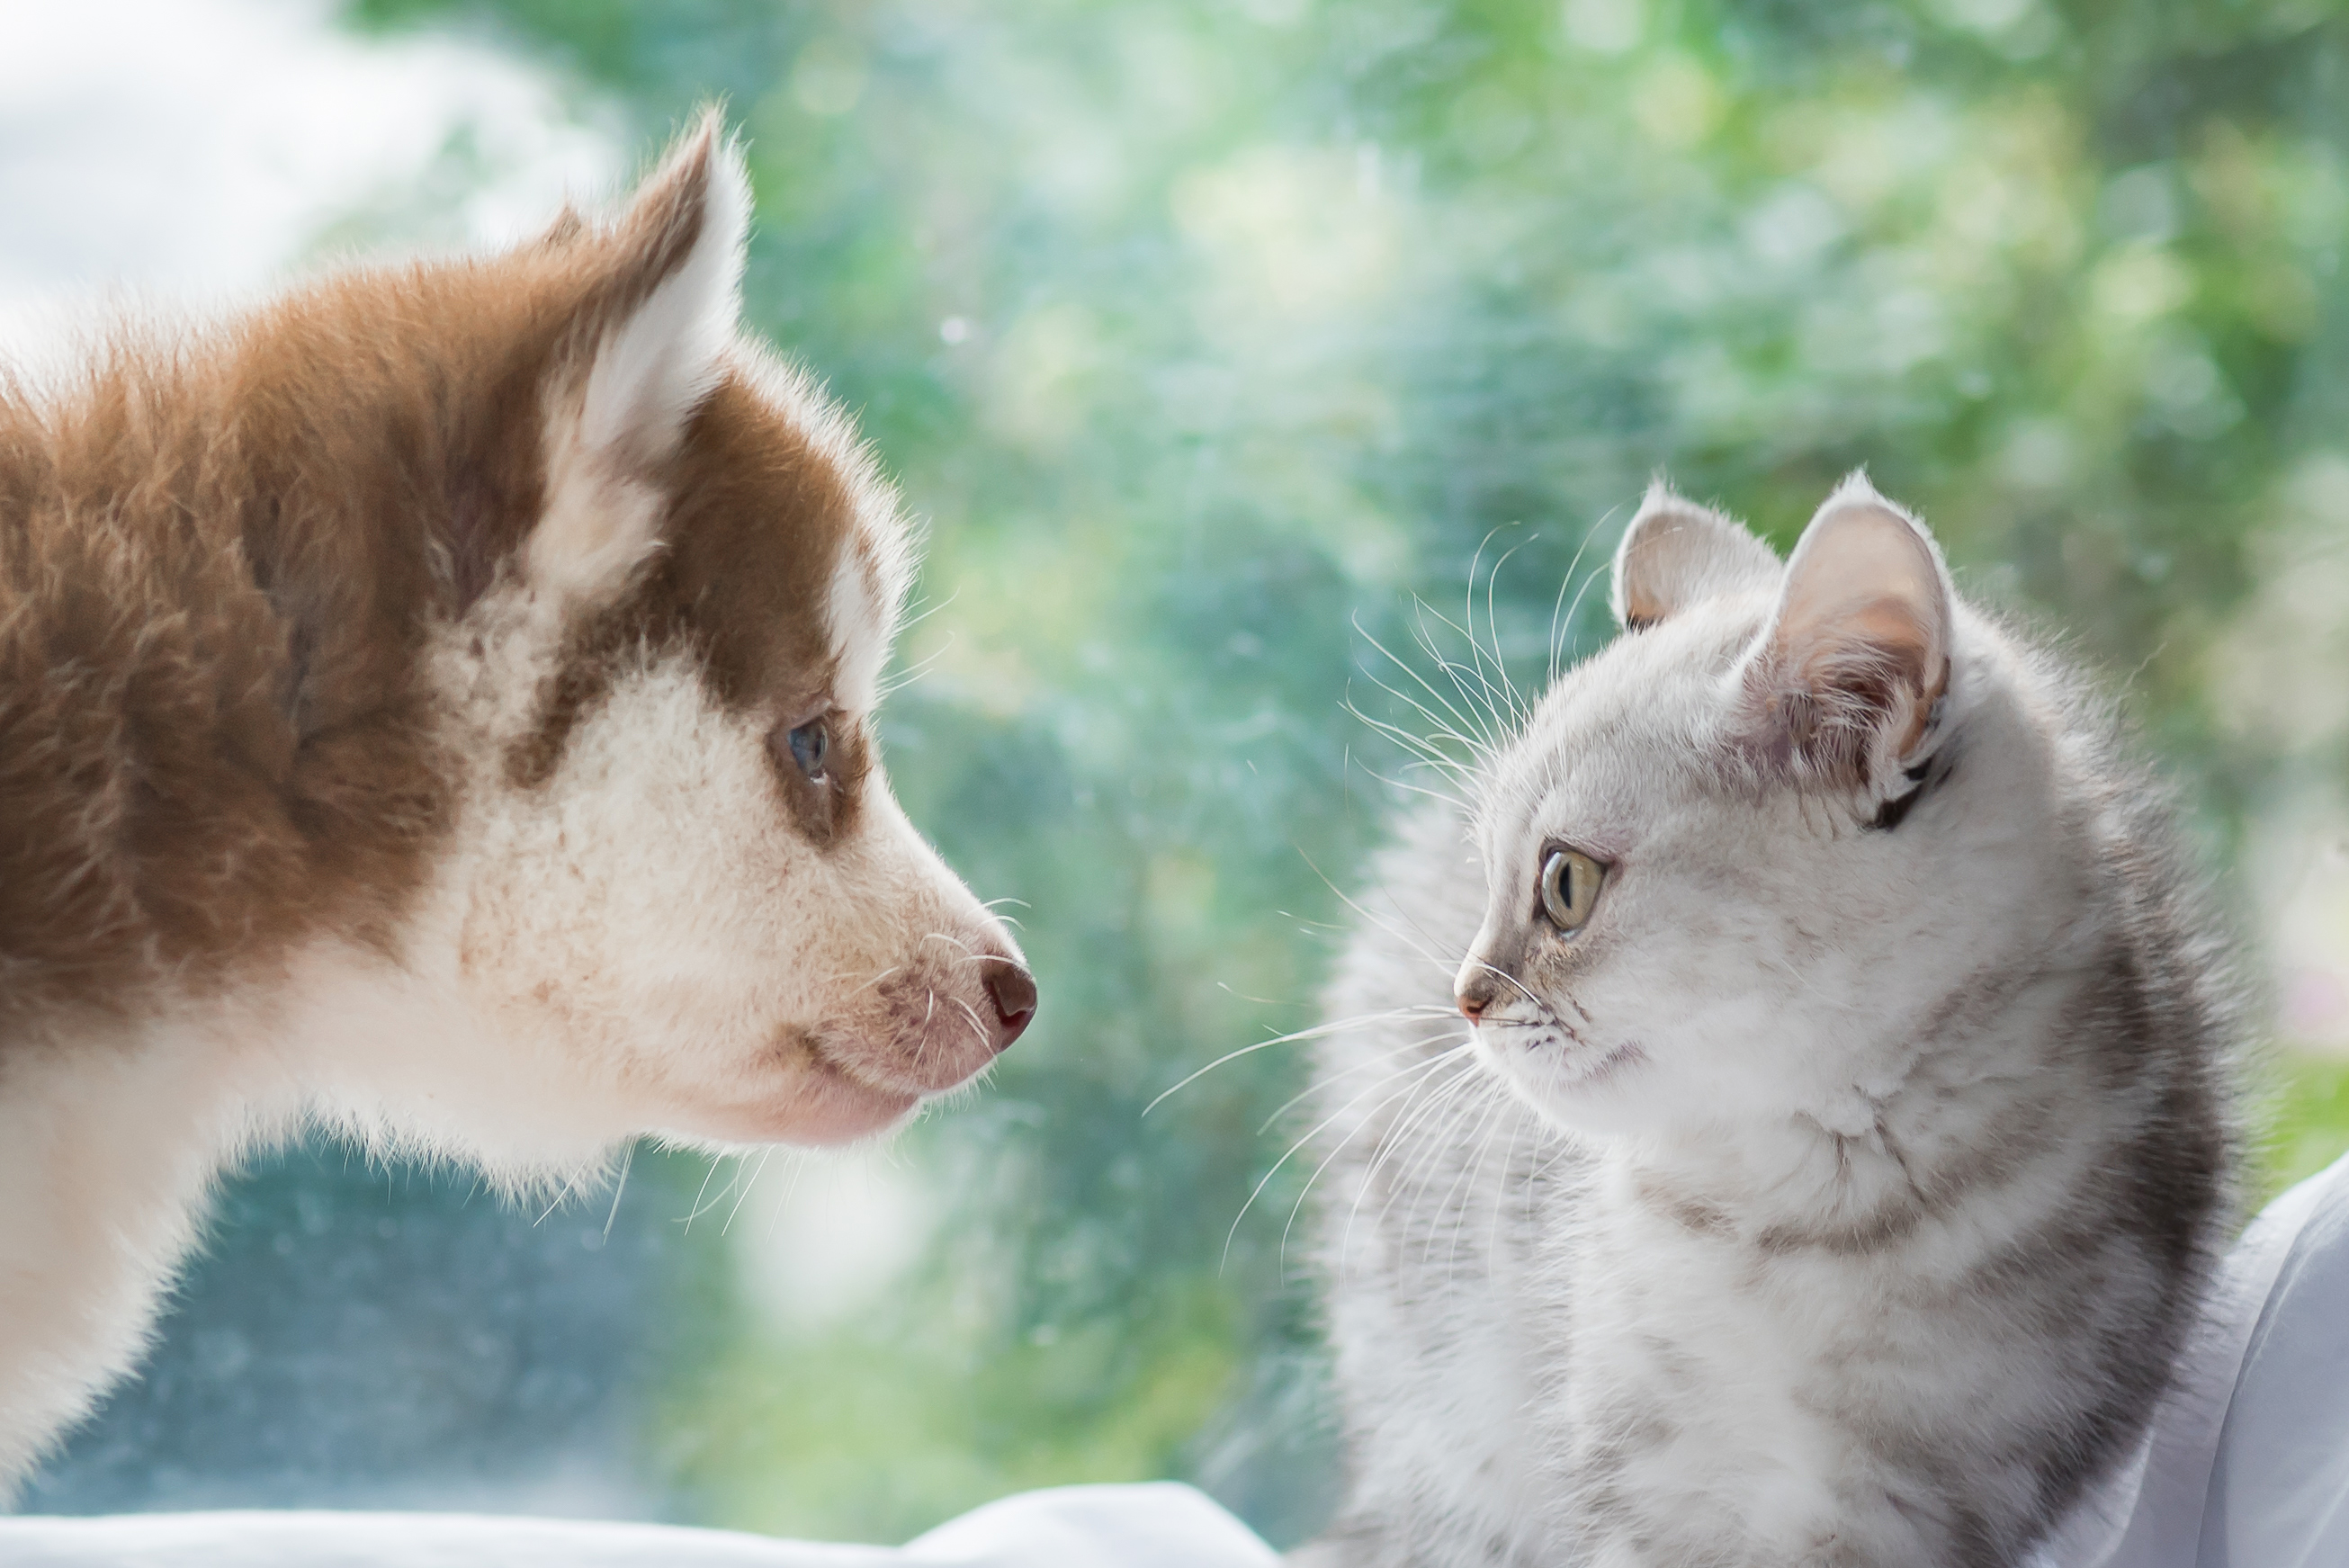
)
(1845, 1201)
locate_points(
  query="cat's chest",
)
(1693, 1362)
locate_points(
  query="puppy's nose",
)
(1013, 991)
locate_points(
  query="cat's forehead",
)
(1635, 722)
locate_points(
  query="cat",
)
(437, 704)
(1832, 1136)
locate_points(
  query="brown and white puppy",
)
(437, 703)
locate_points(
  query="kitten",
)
(1837, 1144)
(439, 702)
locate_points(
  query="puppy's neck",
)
(108, 1148)
(113, 1130)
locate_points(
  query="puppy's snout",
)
(1013, 991)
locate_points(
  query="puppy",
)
(438, 704)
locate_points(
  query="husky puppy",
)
(438, 704)
(1839, 1141)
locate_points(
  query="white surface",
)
(2278, 1493)
(2248, 1465)
(1156, 1526)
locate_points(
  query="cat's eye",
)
(810, 745)
(1569, 887)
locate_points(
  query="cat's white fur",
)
(1837, 1193)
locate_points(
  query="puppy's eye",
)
(1569, 887)
(810, 745)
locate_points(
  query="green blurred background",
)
(1213, 340)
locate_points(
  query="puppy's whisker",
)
(744, 1196)
(876, 979)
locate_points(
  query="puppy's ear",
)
(1848, 675)
(647, 347)
(1676, 552)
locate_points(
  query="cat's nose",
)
(1013, 991)
(1474, 988)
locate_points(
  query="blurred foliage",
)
(2306, 1124)
(1198, 331)
(358, 1336)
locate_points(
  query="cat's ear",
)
(650, 344)
(1849, 673)
(1676, 552)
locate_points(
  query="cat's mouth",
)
(1551, 1043)
(1585, 1072)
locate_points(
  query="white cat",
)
(1839, 1142)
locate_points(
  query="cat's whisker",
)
(1432, 746)
(1513, 980)
(1425, 750)
(1447, 968)
(1315, 1032)
(1461, 1193)
(1556, 642)
(1317, 1130)
(1492, 727)
(1525, 1118)
(1405, 787)
(1484, 747)
(1481, 1097)
(1496, 703)
(1508, 1112)
(1333, 1080)
(1417, 1078)
(1456, 1110)
(1517, 711)
(1573, 610)
(1457, 795)
(1401, 1139)
(1339, 1149)
(1476, 651)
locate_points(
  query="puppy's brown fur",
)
(406, 698)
